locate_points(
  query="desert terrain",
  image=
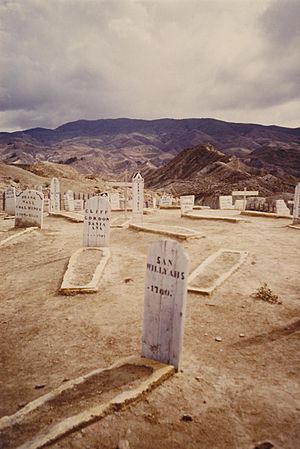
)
(237, 392)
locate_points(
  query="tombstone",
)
(29, 209)
(244, 193)
(69, 201)
(187, 203)
(225, 202)
(78, 205)
(54, 195)
(10, 200)
(96, 226)
(239, 204)
(137, 197)
(154, 202)
(46, 204)
(114, 199)
(281, 208)
(166, 201)
(165, 301)
(296, 209)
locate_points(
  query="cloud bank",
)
(63, 60)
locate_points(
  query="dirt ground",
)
(238, 391)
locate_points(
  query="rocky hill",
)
(207, 173)
(110, 146)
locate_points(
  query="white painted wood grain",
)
(29, 209)
(96, 225)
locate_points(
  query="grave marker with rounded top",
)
(10, 200)
(29, 209)
(165, 302)
(225, 202)
(54, 195)
(114, 199)
(96, 225)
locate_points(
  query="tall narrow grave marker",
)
(137, 197)
(29, 209)
(165, 302)
(54, 195)
(296, 209)
(96, 226)
(10, 200)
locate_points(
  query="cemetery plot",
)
(119, 222)
(10, 236)
(84, 270)
(253, 213)
(71, 216)
(170, 231)
(81, 401)
(214, 270)
(194, 216)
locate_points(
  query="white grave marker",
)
(96, 226)
(239, 204)
(10, 200)
(29, 209)
(54, 195)
(166, 201)
(225, 202)
(69, 200)
(137, 197)
(165, 301)
(281, 208)
(187, 203)
(114, 199)
(296, 209)
(78, 205)
(244, 193)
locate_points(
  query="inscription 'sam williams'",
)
(29, 209)
(96, 225)
(165, 299)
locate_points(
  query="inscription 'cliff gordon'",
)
(165, 267)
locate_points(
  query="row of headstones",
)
(258, 204)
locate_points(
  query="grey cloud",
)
(67, 60)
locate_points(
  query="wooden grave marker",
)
(281, 208)
(10, 200)
(244, 193)
(296, 208)
(96, 225)
(225, 202)
(187, 203)
(54, 195)
(137, 197)
(165, 302)
(29, 209)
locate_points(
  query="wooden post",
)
(165, 301)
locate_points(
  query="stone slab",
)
(71, 216)
(119, 222)
(212, 217)
(158, 373)
(83, 275)
(17, 235)
(170, 231)
(253, 213)
(220, 279)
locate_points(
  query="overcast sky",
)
(64, 60)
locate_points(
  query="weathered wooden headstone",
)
(239, 204)
(166, 200)
(281, 208)
(78, 205)
(244, 193)
(54, 195)
(137, 197)
(96, 226)
(114, 199)
(154, 202)
(225, 202)
(10, 200)
(165, 301)
(69, 201)
(187, 203)
(29, 209)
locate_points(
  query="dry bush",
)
(265, 294)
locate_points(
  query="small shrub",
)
(265, 294)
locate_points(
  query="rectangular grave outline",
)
(179, 235)
(93, 286)
(222, 278)
(212, 217)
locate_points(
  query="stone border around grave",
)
(212, 217)
(122, 225)
(71, 216)
(160, 373)
(68, 288)
(15, 236)
(179, 235)
(294, 227)
(253, 213)
(222, 278)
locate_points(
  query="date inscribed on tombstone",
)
(165, 299)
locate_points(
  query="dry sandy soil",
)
(239, 391)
